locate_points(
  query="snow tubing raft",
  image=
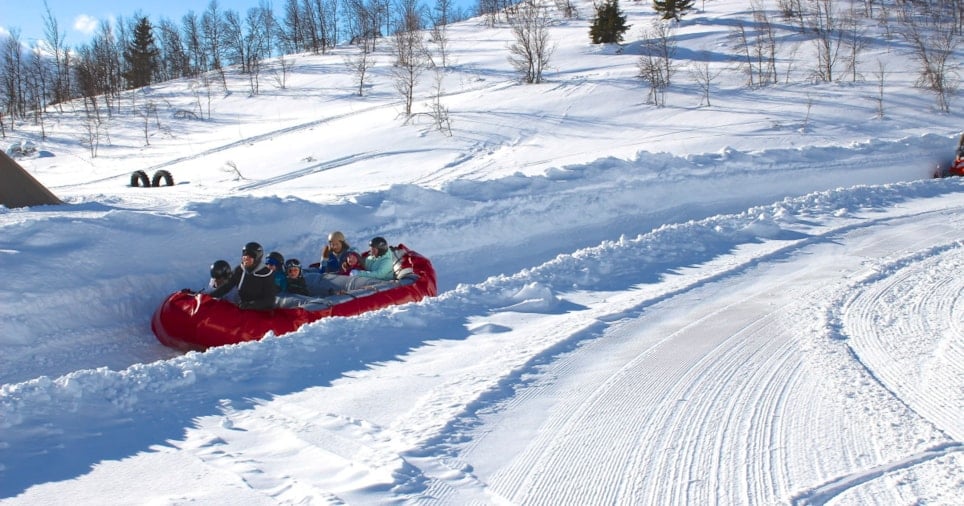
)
(195, 321)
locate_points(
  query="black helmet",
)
(276, 259)
(380, 245)
(292, 262)
(220, 269)
(253, 250)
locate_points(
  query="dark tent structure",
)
(19, 189)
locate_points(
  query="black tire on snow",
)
(165, 175)
(139, 178)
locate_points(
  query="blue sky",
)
(78, 20)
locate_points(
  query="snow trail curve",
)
(685, 390)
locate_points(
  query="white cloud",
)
(85, 24)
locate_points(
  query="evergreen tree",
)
(609, 24)
(672, 9)
(140, 56)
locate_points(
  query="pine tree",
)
(673, 9)
(609, 25)
(140, 56)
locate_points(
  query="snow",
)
(756, 302)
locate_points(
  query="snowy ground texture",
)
(757, 302)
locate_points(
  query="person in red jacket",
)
(957, 168)
(353, 261)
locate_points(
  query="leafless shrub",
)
(360, 64)
(411, 59)
(656, 66)
(704, 78)
(933, 33)
(532, 49)
(880, 74)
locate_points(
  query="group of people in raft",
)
(264, 283)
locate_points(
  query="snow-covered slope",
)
(749, 303)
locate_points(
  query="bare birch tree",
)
(439, 17)
(13, 98)
(759, 48)
(61, 56)
(934, 36)
(360, 64)
(880, 74)
(529, 55)
(825, 23)
(411, 59)
(704, 77)
(855, 42)
(656, 67)
(439, 112)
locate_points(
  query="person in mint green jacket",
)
(378, 263)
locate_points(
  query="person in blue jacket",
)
(276, 262)
(334, 253)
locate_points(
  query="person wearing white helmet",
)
(334, 254)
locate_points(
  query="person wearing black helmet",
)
(377, 264)
(254, 281)
(296, 283)
(220, 273)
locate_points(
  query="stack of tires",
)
(139, 178)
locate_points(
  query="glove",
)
(187, 291)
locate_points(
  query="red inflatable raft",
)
(195, 321)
